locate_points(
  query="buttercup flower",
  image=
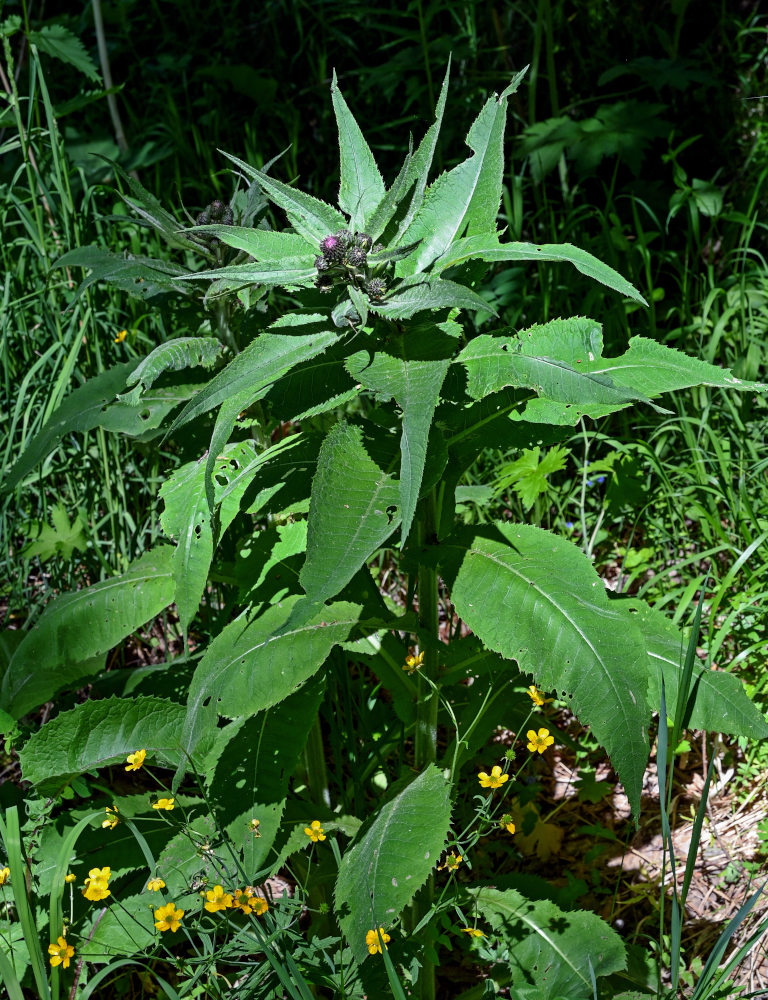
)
(315, 831)
(155, 885)
(537, 697)
(70, 878)
(413, 663)
(260, 906)
(247, 901)
(218, 899)
(473, 931)
(5, 874)
(136, 760)
(452, 862)
(253, 826)
(164, 804)
(168, 918)
(493, 780)
(539, 741)
(112, 818)
(60, 953)
(121, 336)
(372, 940)
(97, 884)
(506, 823)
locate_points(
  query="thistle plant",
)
(338, 431)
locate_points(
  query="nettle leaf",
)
(721, 704)
(488, 248)
(264, 361)
(428, 293)
(311, 218)
(467, 197)
(535, 598)
(251, 768)
(550, 950)
(393, 858)
(252, 665)
(411, 370)
(353, 510)
(96, 734)
(361, 187)
(174, 355)
(267, 246)
(79, 627)
(58, 41)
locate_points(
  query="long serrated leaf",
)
(262, 362)
(352, 511)
(536, 599)
(79, 626)
(487, 247)
(309, 216)
(429, 293)
(289, 272)
(143, 277)
(98, 733)
(268, 246)
(173, 355)
(392, 859)
(361, 187)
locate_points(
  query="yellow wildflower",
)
(506, 823)
(121, 336)
(60, 953)
(135, 760)
(97, 884)
(315, 831)
(247, 901)
(538, 742)
(164, 804)
(372, 940)
(537, 697)
(168, 918)
(70, 878)
(452, 862)
(253, 826)
(260, 906)
(474, 932)
(493, 780)
(5, 874)
(413, 662)
(155, 885)
(112, 818)
(218, 899)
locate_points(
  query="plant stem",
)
(314, 759)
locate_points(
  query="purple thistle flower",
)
(332, 249)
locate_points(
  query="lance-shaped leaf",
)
(291, 272)
(553, 953)
(263, 362)
(411, 370)
(267, 246)
(487, 247)
(353, 511)
(467, 197)
(392, 858)
(252, 665)
(535, 598)
(429, 293)
(173, 355)
(311, 218)
(361, 187)
(721, 704)
(98, 733)
(77, 627)
(140, 276)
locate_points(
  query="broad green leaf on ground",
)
(123, 930)
(393, 858)
(78, 627)
(186, 518)
(98, 733)
(143, 277)
(488, 248)
(311, 218)
(263, 362)
(267, 246)
(535, 598)
(173, 355)
(353, 510)
(252, 665)
(250, 768)
(361, 187)
(61, 537)
(411, 370)
(550, 950)
(466, 198)
(428, 293)
(721, 705)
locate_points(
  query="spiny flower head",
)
(112, 818)
(217, 899)
(168, 918)
(97, 884)
(344, 236)
(538, 742)
(315, 831)
(136, 760)
(356, 257)
(372, 940)
(363, 240)
(322, 263)
(60, 952)
(376, 287)
(493, 780)
(332, 249)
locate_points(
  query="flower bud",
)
(332, 249)
(322, 263)
(376, 288)
(363, 240)
(356, 257)
(345, 237)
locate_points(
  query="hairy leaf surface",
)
(361, 187)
